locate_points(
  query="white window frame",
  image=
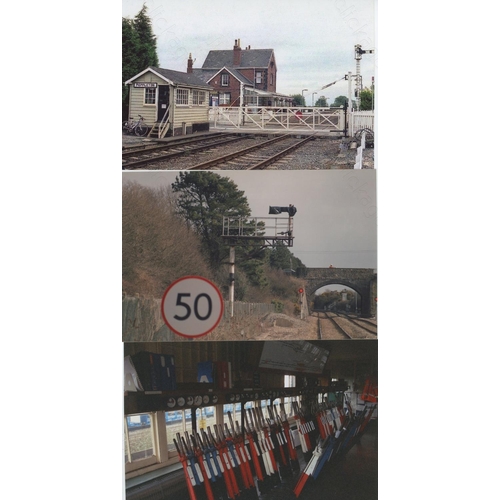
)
(185, 94)
(258, 77)
(224, 80)
(199, 97)
(152, 95)
(155, 458)
(223, 97)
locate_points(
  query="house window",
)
(224, 99)
(199, 97)
(149, 96)
(224, 79)
(182, 97)
(271, 78)
(258, 77)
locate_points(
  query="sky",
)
(336, 219)
(313, 41)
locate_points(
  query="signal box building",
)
(171, 102)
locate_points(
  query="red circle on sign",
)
(179, 295)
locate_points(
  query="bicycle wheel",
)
(141, 130)
(126, 127)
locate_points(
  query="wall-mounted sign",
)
(145, 85)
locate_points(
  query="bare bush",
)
(157, 247)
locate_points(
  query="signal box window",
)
(139, 442)
(199, 97)
(224, 79)
(182, 97)
(177, 422)
(149, 96)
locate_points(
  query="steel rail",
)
(167, 156)
(337, 326)
(357, 321)
(241, 152)
(142, 148)
(277, 156)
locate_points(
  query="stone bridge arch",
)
(363, 281)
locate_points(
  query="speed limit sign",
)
(192, 306)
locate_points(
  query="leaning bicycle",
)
(137, 127)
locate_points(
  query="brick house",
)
(233, 73)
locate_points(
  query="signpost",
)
(192, 306)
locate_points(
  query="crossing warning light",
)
(291, 210)
(301, 290)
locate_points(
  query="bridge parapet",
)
(336, 273)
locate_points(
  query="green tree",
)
(146, 55)
(321, 102)
(130, 59)
(204, 199)
(298, 100)
(138, 50)
(367, 100)
(280, 257)
(339, 101)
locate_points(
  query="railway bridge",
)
(363, 281)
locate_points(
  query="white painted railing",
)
(278, 118)
(361, 119)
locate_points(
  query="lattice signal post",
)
(358, 53)
(260, 232)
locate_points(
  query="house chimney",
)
(190, 64)
(236, 53)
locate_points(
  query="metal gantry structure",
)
(259, 232)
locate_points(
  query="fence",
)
(142, 320)
(290, 119)
(278, 118)
(241, 309)
(360, 120)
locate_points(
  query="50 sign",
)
(192, 306)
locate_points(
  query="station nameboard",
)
(145, 85)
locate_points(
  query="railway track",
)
(144, 155)
(337, 328)
(257, 156)
(350, 331)
(364, 324)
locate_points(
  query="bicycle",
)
(138, 127)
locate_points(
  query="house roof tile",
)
(251, 58)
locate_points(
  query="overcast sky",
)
(336, 220)
(313, 41)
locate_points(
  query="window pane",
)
(149, 96)
(205, 417)
(175, 423)
(140, 437)
(235, 409)
(182, 96)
